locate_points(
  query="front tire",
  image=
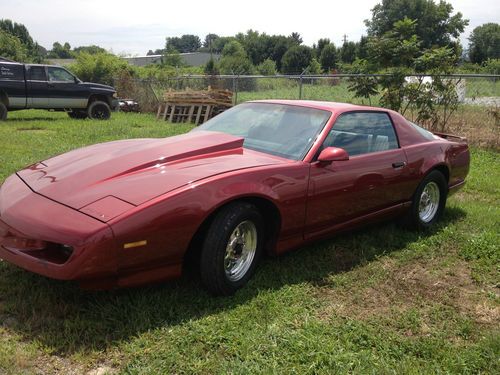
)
(429, 201)
(3, 112)
(232, 248)
(99, 110)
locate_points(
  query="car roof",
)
(323, 105)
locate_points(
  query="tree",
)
(186, 43)
(92, 49)
(12, 48)
(321, 44)
(60, 51)
(209, 40)
(348, 52)
(221, 42)
(362, 48)
(314, 67)
(211, 68)
(328, 58)
(436, 26)
(296, 38)
(484, 43)
(255, 45)
(397, 47)
(234, 60)
(267, 68)
(278, 46)
(21, 33)
(296, 59)
(172, 58)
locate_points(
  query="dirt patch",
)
(414, 286)
(53, 364)
(33, 128)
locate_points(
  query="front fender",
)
(167, 224)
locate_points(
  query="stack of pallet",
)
(194, 106)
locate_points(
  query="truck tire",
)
(3, 112)
(78, 114)
(99, 110)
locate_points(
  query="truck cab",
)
(26, 86)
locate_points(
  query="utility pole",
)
(345, 38)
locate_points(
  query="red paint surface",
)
(98, 198)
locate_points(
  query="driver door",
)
(371, 180)
(65, 91)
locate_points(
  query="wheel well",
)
(272, 225)
(95, 97)
(444, 170)
(4, 99)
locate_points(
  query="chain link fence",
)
(476, 117)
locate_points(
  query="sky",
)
(132, 27)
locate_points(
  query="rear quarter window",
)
(11, 72)
(424, 133)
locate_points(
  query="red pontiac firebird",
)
(262, 176)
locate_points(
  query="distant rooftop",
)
(189, 58)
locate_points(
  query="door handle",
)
(399, 164)
(51, 85)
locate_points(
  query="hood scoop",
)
(220, 149)
(138, 170)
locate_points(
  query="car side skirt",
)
(380, 215)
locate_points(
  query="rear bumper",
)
(30, 224)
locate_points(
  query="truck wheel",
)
(78, 114)
(3, 112)
(99, 110)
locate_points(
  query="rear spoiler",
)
(451, 137)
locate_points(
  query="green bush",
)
(492, 66)
(100, 67)
(267, 68)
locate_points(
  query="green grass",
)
(380, 300)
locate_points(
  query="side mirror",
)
(330, 154)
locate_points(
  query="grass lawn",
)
(380, 300)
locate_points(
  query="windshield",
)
(277, 129)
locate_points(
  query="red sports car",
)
(262, 176)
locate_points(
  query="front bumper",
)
(29, 221)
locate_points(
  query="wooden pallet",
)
(184, 112)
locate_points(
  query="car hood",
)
(98, 86)
(138, 170)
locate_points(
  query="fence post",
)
(300, 87)
(236, 90)
(306, 70)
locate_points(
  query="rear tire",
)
(429, 201)
(99, 110)
(78, 114)
(3, 112)
(231, 249)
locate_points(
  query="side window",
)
(362, 132)
(37, 73)
(60, 75)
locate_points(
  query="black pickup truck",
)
(25, 86)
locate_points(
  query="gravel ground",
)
(489, 101)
